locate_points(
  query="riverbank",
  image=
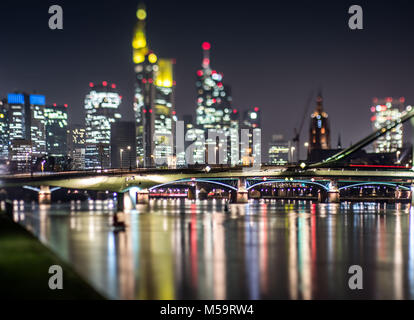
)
(24, 266)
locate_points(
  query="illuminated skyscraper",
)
(76, 146)
(278, 150)
(101, 106)
(319, 137)
(56, 130)
(21, 155)
(4, 132)
(213, 97)
(251, 121)
(154, 99)
(38, 125)
(385, 111)
(214, 109)
(19, 116)
(27, 123)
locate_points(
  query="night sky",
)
(272, 53)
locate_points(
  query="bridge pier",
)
(142, 196)
(397, 194)
(333, 192)
(192, 192)
(45, 195)
(126, 201)
(241, 195)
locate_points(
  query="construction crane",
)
(297, 132)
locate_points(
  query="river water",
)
(182, 249)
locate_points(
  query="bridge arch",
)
(394, 185)
(289, 181)
(193, 180)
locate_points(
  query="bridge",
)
(134, 186)
(137, 184)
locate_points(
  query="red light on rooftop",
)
(373, 109)
(220, 84)
(120, 97)
(388, 99)
(145, 111)
(150, 110)
(234, 110)
(206, 46)
(54, 104)
(174, 112)
(206, 61)
(213, 72)
(113, 86)
(150, 80)
(375, 100)
(104, 83)
(174, 83)
(256, 109)
(373, 118)
(65, 105)
(144, 80)
(199, 73)
(91, 84)
(402, 99)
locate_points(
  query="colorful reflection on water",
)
(178, 249)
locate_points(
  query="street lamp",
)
(129, 156)
(292, 149)
(306, 144)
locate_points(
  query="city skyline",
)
(283, 91)
(207, 150)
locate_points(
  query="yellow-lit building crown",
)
(139, 40)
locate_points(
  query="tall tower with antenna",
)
(154, 99)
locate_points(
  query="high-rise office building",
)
(56, 130)
(123, 150)
(386, 111)
(251, 121)
(101, 107)
(19, 116)
(213, 97)
(37, 125)
(278, 151)
(4, 132)
(21, 159)
(27, 123)
(154, 99)
(76, 136)
(214, 110)
(319, 134)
